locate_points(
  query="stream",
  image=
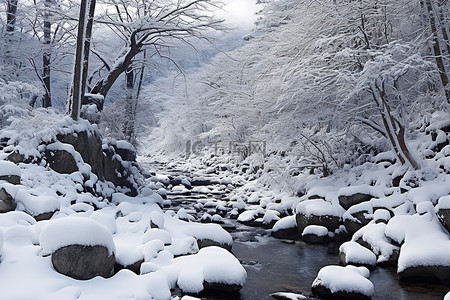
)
(275, 265)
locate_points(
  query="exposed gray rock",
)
(426, 273)
(7, 202)
(84, 262)
(134, 267)
(324, 292)
(348, 201)
(361, 220)
(61, 161)
(202, 243)
(126, 153)
(13, 179)
(444, 217)
(330, 222)
(89, 145)
(287, 233)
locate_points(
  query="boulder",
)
(83, 262)
(421, 273)
(330, 222)
(10, 172)
(7, 202)
(80, 247)
(444, 216)
(89, 145)
(330, 285)
(443, 211)
(125, 150)
(203, 243)
(286, 228)
(352, 253)
(61, 161)
(134, 267)
(315, 234)
(347, 201)
(349, 196)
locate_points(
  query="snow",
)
(315, 230)
(374, 234)
(424, 241)
(157, 234)
(355, 253)
(285, 223)
(288, 296)
(9, 168)
(443, 203)
(210, 264)
(74, 231)
(345, 279)
(363, 189)
(319, 207)
(36, 205)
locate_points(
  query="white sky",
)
(241, 12)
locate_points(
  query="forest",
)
(175, 136)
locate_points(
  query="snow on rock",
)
(426, 247)
(157, 234)
(210, 267)
(315, 234)
(118, 198)
(318, 212)
(443, 211)
(288, 296)
(74, 231)
(105, 219)
(343, 281)
(1, 244)
(354, 254)
(373, 237)
(9, 172)
(286, 228)
(37, 206)
(205, 234)
(349, 196)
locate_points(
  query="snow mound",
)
(210, 265)
(75, 231)
(348, 279)
(357, 254)
(9, 168)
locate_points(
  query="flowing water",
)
(274, 265)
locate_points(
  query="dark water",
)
(274, 266)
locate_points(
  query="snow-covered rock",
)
(425, 250)
(286, 228)
(348, 282)
(211, 268)
(352, 253)
(9, 172)
(372, 236)
(315, 234)
(350, 196)
(318, 212)
(81, 248)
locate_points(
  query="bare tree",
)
(152, 25)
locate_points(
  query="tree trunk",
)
(128, 126)
(87, 43)
(46, 58)
(11, 15)
(118, 70)
(77, 94)
(437, 50)
(394, 129)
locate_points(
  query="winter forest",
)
(209, 149)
